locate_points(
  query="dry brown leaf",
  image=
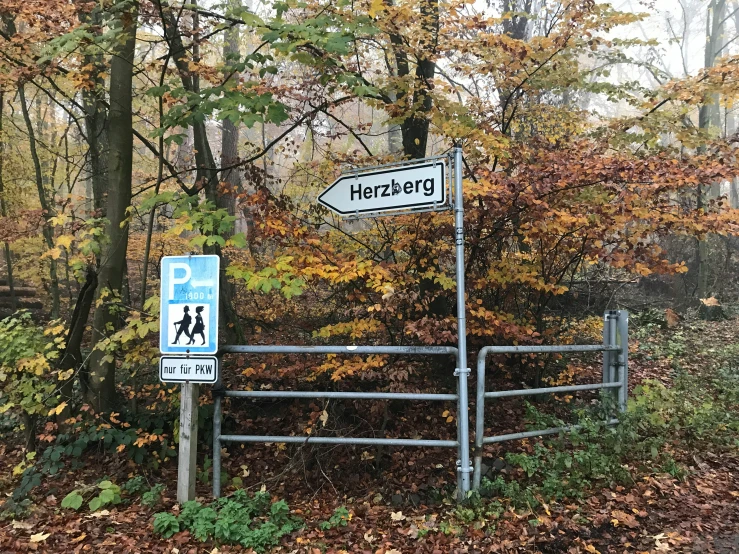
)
(40, 537)
(22, 525)
(397, 516)
(623, 518)
(671, 317)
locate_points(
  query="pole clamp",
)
(461, 469)
(458, 371)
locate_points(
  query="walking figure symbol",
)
(184, 326)
(199, 328)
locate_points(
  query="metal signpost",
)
(188, 329)
(416, 186)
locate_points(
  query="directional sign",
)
(375, 190)
(178, 369)
(189, 305)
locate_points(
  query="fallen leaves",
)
(22, 525)
(622, 518)
(40, 537)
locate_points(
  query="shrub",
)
(250, 521)
(340, 518)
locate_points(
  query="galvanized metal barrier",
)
(615, 350)
(219, 392)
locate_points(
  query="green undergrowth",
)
(661, 427)
(250, 521)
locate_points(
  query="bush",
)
(340, 518)
(250, 521)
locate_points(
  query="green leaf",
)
(95, 504)
(157, 91)
(106, 496)
(73, 500)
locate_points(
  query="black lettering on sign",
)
(359, 191)
(203, 369)
(356, 189)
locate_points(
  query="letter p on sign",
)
(174, 280)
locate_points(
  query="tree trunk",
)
(709, 116)
(48, 209)
(207, 175)
(71, 358)
(96, 123)
(230, 130)
(113, 259)
(4, 212)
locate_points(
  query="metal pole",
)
(552, 390)
(606, 338)
(217, 399)
(541, 433)
(462, 369)
(348, 350)
(367, 441)
(479, 417)
(613, 360)
(623, 358)
(347, 395)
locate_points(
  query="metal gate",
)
(615, 350)
(462, 426)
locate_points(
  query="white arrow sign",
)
(374, 190)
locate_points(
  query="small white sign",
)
(197, 369)
(376, 190)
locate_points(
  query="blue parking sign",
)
(189, 305)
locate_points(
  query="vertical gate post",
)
(217, 410)
(463, 432)
(479, 417)
(623, 358)
(188, 449)
(609, 340)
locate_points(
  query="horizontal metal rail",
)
(219, 439)
(547, 390)
(348, 350)
(348, 395)
(339, 440)
(431, 159)
(543, 432)
(564, 348)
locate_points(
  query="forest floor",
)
(407, 504)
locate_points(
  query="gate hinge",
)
(461, 469)
(458, 371)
